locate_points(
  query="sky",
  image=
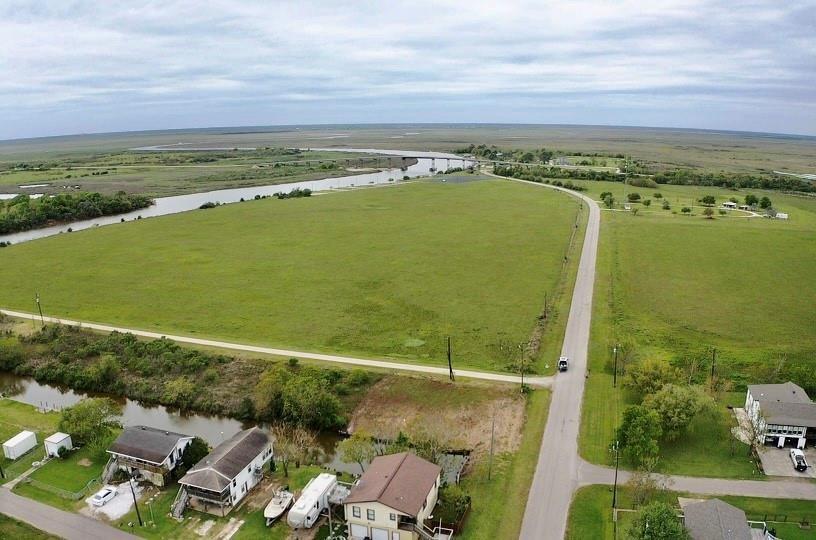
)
(81, 66)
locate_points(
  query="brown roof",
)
(219, 467)
(399, 481)
(146, 443)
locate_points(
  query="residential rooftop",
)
(146, 443)
(219, 467)
(716, 520)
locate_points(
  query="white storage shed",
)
(19, 444)
(55, 442)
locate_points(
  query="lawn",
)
(17, 530)
(16, 417)
(75, 471)
(591, 513)
(381, 272)
(676, 286)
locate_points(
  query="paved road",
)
(57, 522)
(774, 489)
(380, 364)
(556, 475)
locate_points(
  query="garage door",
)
(379, 534)
(359, 531)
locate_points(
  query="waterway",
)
(182, 203)
(211, 428)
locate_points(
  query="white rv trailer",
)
(312, 501)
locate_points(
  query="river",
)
(183, 203)
(211, 428)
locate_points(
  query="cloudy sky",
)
(80, 66)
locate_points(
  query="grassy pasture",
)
(11, 528)
(678, 285)
(377, 272)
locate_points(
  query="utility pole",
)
(545, 304)
(615, 373)
(713, 364)
(133, 492)
(615, 488)
(521, 357)
(492, 438)
(450, 364)
(39, 308)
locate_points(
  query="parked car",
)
(102, 496)
(798, 459)
(563, 363)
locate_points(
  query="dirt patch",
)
(462, 412)
(84, 462)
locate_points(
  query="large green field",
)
(677, 286)
(385, 271)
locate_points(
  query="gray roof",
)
(716, 520)
(219, 467)
(789, 414)
(786, 393)
(146, 443)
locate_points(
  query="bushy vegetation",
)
(23, 213)
(160, 371)
(294, 194)
(542, 174)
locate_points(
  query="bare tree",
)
(293, 444)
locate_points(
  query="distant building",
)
(781, 215)
(730, 205)
(393, 499)
(149, 452)
(228, 473)
(781, 414)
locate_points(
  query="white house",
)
(781, 414)
(731, 205)
(781, 215)
(149, 452)
(19, 444)
(55, 442)
(228, 473)
(393, 499)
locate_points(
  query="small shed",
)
(19, 444)
(55, 442)
(781, 215)
(729, 204)
(744, 207)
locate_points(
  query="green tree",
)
(709, 200)
(708, 213)
(765, 202)
(657, 520)
(677, 406)
(609, 201)
(633, 197)
(686, 210)
(307, 401)
(650, 375)
(666, 205)
(657, 195)
(639, 434)
(91, 421)
(606, 194)
(180, 392)
(751, 200)
(268, 393)
(359, 449)
(195, 452)
(647, 202)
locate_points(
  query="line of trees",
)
(23, 213)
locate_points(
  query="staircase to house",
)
(437, 533)
(180, 502)
(109, 470)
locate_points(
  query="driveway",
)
(57, 522)
(777, 462)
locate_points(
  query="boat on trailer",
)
(280, 502)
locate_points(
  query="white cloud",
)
(91, 56)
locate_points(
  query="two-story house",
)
(149, 452)
(781, 414)
(227, 474)
(393, 499)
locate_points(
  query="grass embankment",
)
(378, 272)
(591, 513)
(17, 530)
(676, 286)
(159, 174)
